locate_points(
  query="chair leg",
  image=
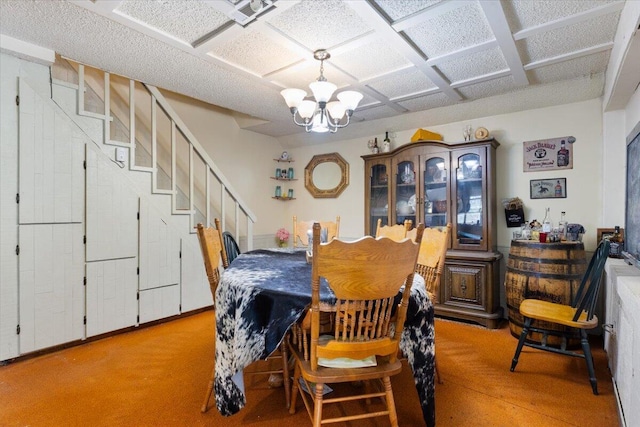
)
(391, 404)
(205, 405)
(294, 389)
(317, 405)
(523, 337)
(586, 349)
(285, 371)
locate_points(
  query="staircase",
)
(138, 118)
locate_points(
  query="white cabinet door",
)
(112, 210)
(51, 272)
(159, 249)
(51, 175)
(194, 284)
(112, 288)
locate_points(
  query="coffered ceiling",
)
(417, 62)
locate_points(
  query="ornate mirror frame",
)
(331, 192)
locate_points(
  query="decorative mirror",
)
(326, 175)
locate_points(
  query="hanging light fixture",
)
(321, 115)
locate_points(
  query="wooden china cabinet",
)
(435, 183)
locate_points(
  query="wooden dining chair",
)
(212, 244)
(433, 251)
(300, 228)
(212, 248)
(231, 249)
(396, 231)
(365, 276)
(578, 317)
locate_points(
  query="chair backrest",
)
(433, 250)
(300, 228)
(210, 239)
(231, 249)
(587, 295)
(395, 232)
(365, 276)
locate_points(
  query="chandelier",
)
(321, 115)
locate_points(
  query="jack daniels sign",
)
(548, 154)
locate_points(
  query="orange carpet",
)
(157, 376)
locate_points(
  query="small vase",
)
(283, 244)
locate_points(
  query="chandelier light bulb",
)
(293, 97)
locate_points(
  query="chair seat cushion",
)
(556, 313)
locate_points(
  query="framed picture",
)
(548, 154)
(607, 232)
(552, 188)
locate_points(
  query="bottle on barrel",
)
(617, 243)
(546, 222)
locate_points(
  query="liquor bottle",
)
(616, 241)
(563, 155)
(558, 189)
(376, 149)
(386, 144)
(546, 222)
(562, 225)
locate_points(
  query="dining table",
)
(264, 292)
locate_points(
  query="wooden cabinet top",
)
(438, 144)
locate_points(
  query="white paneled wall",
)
(112, 210)
(51, 155)
(195, 285)
(51, 272)
(112, 304)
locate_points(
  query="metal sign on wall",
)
(548, 154)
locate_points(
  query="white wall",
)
(584, 195)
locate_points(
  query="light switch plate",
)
(121, 154)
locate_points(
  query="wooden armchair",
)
(212, 252)
(300, 228)
(579, 316)
(365, 276)
(433, 251)
(395, 232)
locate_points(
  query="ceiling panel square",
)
(522, 14)
(489, 88)
(579, 67)
(374, 113)
(459, 28)
(185, 21)
(339, 23)
(568, 39)
(474, 65)
(398, 9)
(426, 102)
(372, 59)
(255, 52)
(405, 82)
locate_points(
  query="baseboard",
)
(623, 423)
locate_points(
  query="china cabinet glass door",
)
(405, 192)
(469, 220)
(379, 196)
(436, 177)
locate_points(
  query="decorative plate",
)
(284, 156)
(482, 133)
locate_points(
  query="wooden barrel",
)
(546, 271)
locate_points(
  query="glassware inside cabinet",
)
(435, 192)
(469, 215)
(406, 197)
(379, 197)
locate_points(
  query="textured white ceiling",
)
(418, 62)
